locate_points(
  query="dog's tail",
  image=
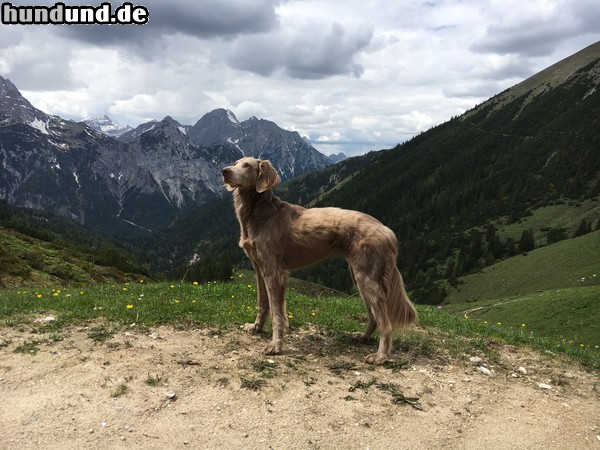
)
(402, 312)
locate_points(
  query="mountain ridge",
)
(135, 183)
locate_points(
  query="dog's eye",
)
(246, 165)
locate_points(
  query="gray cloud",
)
(310, 52)
(316, 56)
(209, 19)
(536, 32)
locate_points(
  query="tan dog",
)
(280, 237)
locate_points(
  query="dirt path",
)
(72, 391)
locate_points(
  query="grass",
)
(252, 384)
(572, 314)
(228, 305)
(122, 389)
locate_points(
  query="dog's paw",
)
(250, 328)
(361, 337)
(274, 348)
(376, 358)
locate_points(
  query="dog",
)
(280, 237)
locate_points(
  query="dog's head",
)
(247, 173)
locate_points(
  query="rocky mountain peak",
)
(106, 126)
(7, 88)
(212, 126)
(16, 108)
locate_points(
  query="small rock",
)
(245, 435)
(544, 386)
(475, 359)
(484, 370)
(598, 435)
(522, 370)
(171, 395)
(271, 361)
(103, 424)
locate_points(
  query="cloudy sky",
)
(351, 75)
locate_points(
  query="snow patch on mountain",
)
(38, 124)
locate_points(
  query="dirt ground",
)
(75, 390)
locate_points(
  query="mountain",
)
(105, 125)
(336, 158)
(287, 150)
(451, 193)
(134, 184)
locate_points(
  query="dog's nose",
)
(225, 171)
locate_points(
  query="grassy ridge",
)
(27, 261)
(566, 216)
(229, 305)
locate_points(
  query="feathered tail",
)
(402, 312)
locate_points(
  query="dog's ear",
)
(267, 176)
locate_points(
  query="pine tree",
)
(527, 242)
(584, 228)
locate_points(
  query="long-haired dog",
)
(279, 237)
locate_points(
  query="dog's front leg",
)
(275, 284)
(262, 303)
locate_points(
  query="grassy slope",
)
(566, 264)
(26, 261)
(552, 291)
(572, 314)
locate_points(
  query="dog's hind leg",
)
(371, 326)
(369, 281)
